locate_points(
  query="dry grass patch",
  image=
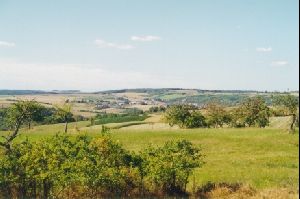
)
(240, 191)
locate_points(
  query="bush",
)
(168, 168)
(156, 109)
(98, 166)
(83, 167)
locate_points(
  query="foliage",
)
(106, 118)
(3, 125)
(289, 104)
(64, 114)
(156, 109)
(89, 167)
(51, 167)
(195, 120)
(23, 111)
(184, 116)
(217, 116)
(168, 168)
(252, 112)
(133, 111)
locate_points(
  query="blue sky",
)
(98, 45)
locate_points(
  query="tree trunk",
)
(29, 125)
(7, 143)
(66, 127)
(292, 127)
(46, 189)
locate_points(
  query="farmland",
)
(89, 104)
(262, 161)
(261, 158)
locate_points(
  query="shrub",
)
(168, 168)
(52, 166)
(156, 109)
(83, 167)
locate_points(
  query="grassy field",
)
(261, 158)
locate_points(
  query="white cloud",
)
(280, 63)
(7, 44)
(145, 38)
(262, 49)
(16, 75)
(104, 44)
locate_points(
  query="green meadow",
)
(262, 158)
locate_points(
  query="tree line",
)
(253, 112)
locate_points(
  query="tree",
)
(252, 112)
(217, 116)
(3, 113)
(184, 116)
(23, 111)
(195, 120)
(290, 104)
(177, 115)
(64, 114)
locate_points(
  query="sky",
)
(97, 45)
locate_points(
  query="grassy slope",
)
(263, 158)
(260, 157)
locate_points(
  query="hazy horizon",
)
(108, 45)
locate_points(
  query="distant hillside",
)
(36, 92)
(163, 90)
(21, 92)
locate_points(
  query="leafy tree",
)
(252, 112)
(23, 111)
(177, 115)
(195, 120)
(290, 104)
(217, 116)
(238, 117)
(184, 116)
(64, 114)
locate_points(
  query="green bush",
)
(167, 168)
(83, 167)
